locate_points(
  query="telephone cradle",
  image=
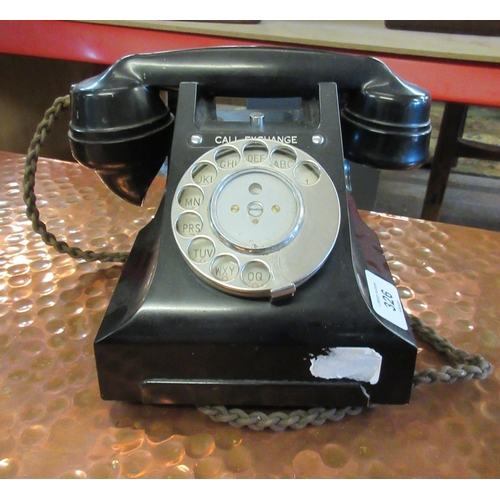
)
(256, 283)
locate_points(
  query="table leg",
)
(445, 158)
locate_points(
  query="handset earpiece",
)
(122, 132)
(386, 125)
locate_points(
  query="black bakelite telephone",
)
(256, 283)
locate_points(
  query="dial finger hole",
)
(201, 250)
(190, 197)
(204, 174)
(256, 274)
(189, 224)
(283, 158)
(255, 152)
(227, 158)
(225, 268)
(307, 173)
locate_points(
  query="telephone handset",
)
(122, 128)
(208, 309)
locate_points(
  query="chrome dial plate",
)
(255, 218)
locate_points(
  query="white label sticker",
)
(362, 364)
(385, 300)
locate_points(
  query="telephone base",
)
(171, 336)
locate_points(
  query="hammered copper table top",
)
(53, 423)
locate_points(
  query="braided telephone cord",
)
(43, 129)
(467, 366)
